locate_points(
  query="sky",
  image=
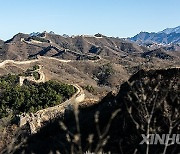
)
(118, 18)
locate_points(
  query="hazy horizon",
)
(112, 18)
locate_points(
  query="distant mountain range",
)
(166, 36)
(171, 30)
(87, 47)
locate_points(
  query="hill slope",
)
(145, 91)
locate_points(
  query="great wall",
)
(35, 120)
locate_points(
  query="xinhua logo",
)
(164, 139)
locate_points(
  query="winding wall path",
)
(35, 120)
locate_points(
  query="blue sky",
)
(120, 18)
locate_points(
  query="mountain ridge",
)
(21, 46)
(171, 30)
(167, 36)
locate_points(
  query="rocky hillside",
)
(23, 46)
(158, 53)
(150, 103)
(147, 103)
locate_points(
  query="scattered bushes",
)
(36, 75)
(31, 72)
(35, 67)
(103, 74)
(89, 88)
